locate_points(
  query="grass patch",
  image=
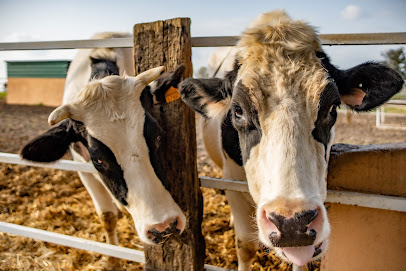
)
(400, 96)
(393, 109)
(3, 95)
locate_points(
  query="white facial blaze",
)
(288, 163)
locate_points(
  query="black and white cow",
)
(270, 121)
(107, 122)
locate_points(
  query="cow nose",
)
(294, 231)
(158, 233)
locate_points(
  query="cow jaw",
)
(150, 204)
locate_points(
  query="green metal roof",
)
(38, 69)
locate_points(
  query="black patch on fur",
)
(379, 82)
(109, 170)
(326, 119)
(102, 68)
(153, 136)
(247, 125)
(54, 143)
(146, 99)
(230, 141)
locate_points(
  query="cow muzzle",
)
(292, 232)
(158, 233)
(297, 234)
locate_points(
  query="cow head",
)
(281, 99)
(109, 124)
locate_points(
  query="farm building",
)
(36, 82)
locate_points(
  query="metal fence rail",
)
(348, 198)
(80, 243)
(380, 115)
(326, 39)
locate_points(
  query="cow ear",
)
(208, 97)
(51, 145)
(365, 86)
(368, 85)
(160, 86)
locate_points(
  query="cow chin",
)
(318, 251)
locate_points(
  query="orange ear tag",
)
(172, 94)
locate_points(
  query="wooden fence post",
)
(168, 43)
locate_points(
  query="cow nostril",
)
(306, 217)
(276, 219)
(274, 237)
(173, 224)
(312, 233)
(154, 232)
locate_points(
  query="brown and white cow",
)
(107, 122)
(270, 121)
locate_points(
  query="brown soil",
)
(56, 200)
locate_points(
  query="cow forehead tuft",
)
(303, 85)
(276, 36)
(277, 60)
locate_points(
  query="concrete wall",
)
(34, 91)
(367, 238)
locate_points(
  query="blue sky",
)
(27, 20)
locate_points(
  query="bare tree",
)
(203, 72)
(396, 59)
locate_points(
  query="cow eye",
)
(333, 110)
(98, 162)
(238, 112)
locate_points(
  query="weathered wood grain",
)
(168, 43)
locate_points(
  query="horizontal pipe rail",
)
(67, 44)
(395, 102)
(216, 41)
(326, 39)
(341, 197)
(75, 242)
(12, 158)
(80, 243)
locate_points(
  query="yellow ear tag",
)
(172, 94)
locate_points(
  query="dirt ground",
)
(56, 200)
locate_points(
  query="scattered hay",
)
(56, 201)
